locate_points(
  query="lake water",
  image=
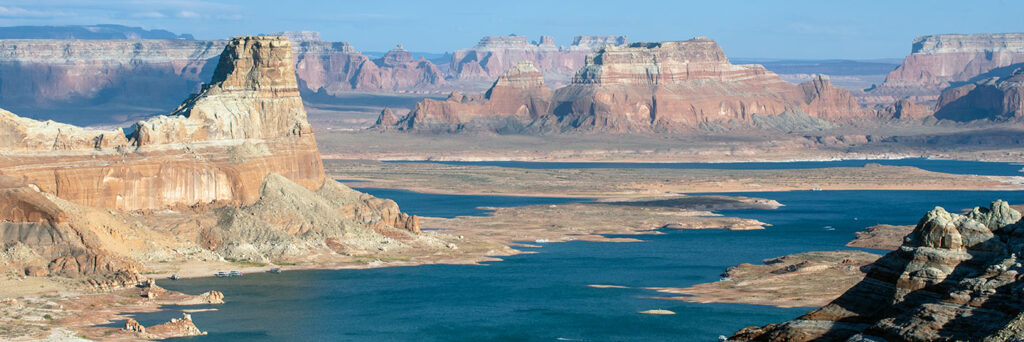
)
(959, 167)
(544, 296)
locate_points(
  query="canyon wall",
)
(939, 61)
(643, 87)
(954, 278)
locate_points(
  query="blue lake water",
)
(960, 167)
(544, 296)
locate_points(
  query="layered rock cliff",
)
(992, 98)
(236, 168)
(667, 86)
(954, 278)
(494, 55)
(939, 61)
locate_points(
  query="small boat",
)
(275, 270)
(235, 274)
(222, 274)
(815, 189)
(830, 228)
(174, 277)
(542, 241)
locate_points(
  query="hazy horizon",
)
(744, 29)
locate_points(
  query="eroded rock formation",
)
(939, 61)
(954, 278)
(667, 86)
(238, 159)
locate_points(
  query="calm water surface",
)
(544, 296)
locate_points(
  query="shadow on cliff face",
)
(983, 103)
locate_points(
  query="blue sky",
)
(751, 29)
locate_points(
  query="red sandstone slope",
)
(668, 86)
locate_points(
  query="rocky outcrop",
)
(939, 61)
(643, 87)
(954, 278)
(494, 55)
(238, 158)
(176, 328)
(995, 98)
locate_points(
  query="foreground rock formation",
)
(667, 86)
(234, 172)
(954, 278)
(943, 60)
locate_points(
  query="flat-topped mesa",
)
(984, 42)
(667, 86)
(650, 64)
(955, 277)
(502, 42)
(253, 95)
(939, 61)
(593, 43)
(992, 98)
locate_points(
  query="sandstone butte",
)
(993, 98)
(667, 86)
(943, 60)
(234, 172)
(494, 55)
(955, 278)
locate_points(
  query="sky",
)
(797, 29)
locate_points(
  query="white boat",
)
(815, 189)
(222, 274)
(542, 241)
(235, 274)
